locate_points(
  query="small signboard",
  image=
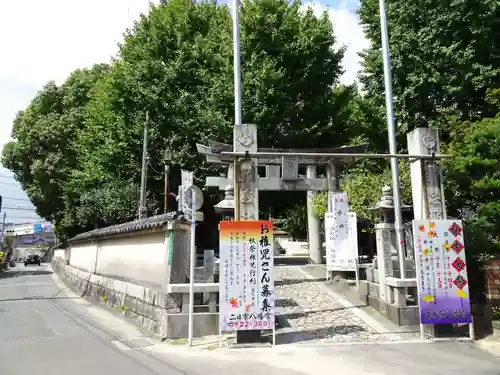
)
(246, 275)
(443, 287)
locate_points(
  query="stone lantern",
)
(226, 206)
(387, 253)
(385, 206)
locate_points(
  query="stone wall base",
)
(158, 312)
(400, 315)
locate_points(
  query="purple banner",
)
(443, 288)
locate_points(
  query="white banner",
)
(353, 235)
(339, 250)
(186, 181)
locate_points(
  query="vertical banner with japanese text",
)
(186, 181)
(339, 255)
(443, 288)
(246, 294)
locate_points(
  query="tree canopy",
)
(77, 147)
(445, 56)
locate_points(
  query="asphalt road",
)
(46, 329)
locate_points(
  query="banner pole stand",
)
(472, 333)
(356, 265)
(422, 331)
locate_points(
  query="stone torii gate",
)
(244, 156)
(282, 174)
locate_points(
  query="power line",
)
(19, 208)
(9, 217)
(16, 199)
(9, 183)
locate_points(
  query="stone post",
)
(333, 177)
(427, 188)
(246, 194)
(245, 174)
(426, 175)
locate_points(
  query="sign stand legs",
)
(472, 333)
(422, 331)
(356, 264)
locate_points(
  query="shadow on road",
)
(21, 273)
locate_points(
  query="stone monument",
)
(426, 175)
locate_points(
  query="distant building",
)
(30, 234)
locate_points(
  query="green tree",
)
(445, 56)
(176, 64)
(473, 180)
(364, 188)
(45, 148)
(289, 66)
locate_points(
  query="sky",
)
(46, 40)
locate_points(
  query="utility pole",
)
(144, 171)
(391, 130)
(3, 228)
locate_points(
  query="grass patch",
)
(211, 347)
(496, 313)
(178, 342)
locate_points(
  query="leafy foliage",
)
(77, 149)
(445, 56)
(474, 181)
(294, 221)
(7, 244)
(45, 151)
(364, 189)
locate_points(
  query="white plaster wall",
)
(60, 253)
(139, 258)
(83, 256)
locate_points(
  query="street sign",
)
(188, 197)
